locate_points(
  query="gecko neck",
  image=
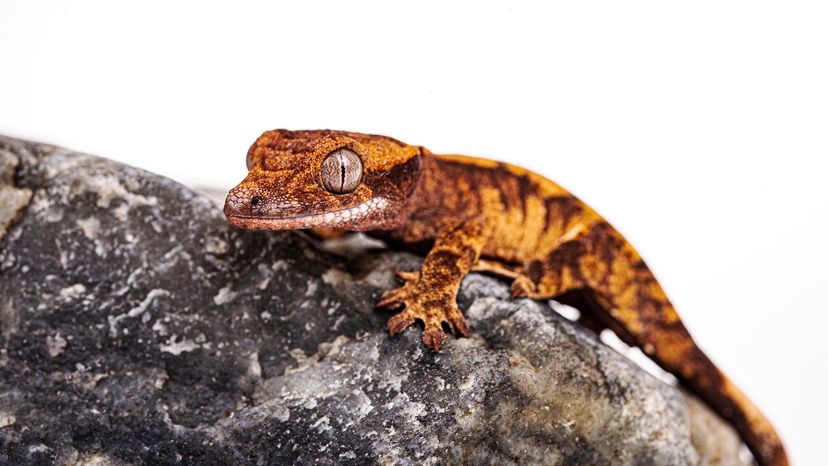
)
(433, 187)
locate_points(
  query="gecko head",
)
(324, 178)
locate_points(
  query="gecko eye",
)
(341, 171)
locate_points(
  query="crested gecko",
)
(474, 214)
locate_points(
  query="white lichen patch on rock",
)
(55, 345)
(7, 418)
(176, 347)
(225, 295)
(9, 319)
(267, 272)
(215, 245)
(72, 292)
(312, 287)
(336, 277)
(90, 226)
(108, 187)
(254, 368)
(136, 311)
(142, 307)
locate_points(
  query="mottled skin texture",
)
(473, 214)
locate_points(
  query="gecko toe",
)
(408, 276)
(458, 325)
(434, 337)
(392, 299)
(452, 316)
(398, 323)
(522, 287)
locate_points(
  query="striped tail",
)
(621, 294)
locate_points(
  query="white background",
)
(699, 129)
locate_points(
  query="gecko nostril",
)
(254, 201)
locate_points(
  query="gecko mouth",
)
(333, 219)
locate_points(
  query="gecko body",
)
(474, 214)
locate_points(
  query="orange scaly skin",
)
(482, 215)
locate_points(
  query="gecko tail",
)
(648, 320)
(663, 337)
(698, 373)
(672, 347)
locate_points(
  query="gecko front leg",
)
(430, 295)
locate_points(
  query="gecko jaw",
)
(334, 219)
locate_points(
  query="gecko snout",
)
(242, 203)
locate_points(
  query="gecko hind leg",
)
(552, 274)
(570, 295)
(523, 286)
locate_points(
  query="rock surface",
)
(138, 327)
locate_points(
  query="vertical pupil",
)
(342, 172)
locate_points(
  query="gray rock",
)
(138, 327)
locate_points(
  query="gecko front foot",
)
(427, 303)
